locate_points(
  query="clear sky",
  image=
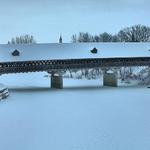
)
(47, 19)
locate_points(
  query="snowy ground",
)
(79, 117)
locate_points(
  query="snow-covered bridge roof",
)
(73, 51)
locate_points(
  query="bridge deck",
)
(47, 65)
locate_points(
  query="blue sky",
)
(47, 19)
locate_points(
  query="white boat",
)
(4, 93)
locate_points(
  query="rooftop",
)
(73, 51)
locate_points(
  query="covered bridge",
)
(19, 58)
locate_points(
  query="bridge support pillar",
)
(110, 78)
(56, 81)
(149, 73)
(149, 70)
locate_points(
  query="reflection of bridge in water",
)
(55, 66)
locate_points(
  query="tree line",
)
(23, 39)
(136, 33)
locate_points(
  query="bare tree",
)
(137, 33)
(82, 37)
(23, 39)
(115, 38)
(86, 37)
(74, 38)
(97, 38)
(105, 37)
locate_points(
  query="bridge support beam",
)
(56, 81)
(110, 78)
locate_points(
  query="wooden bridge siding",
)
(45, 65)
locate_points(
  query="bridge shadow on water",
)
(48, 89)
(72, 88)
(101, 88)
(29, 89)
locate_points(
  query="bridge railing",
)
(45, 65)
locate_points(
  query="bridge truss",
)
(48, 65)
